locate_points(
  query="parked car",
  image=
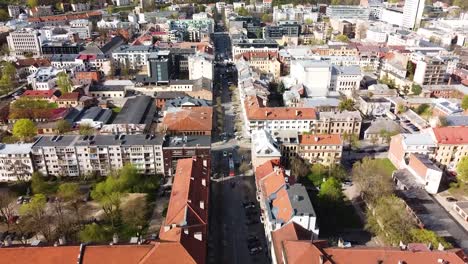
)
(450, 199)
(255, 250)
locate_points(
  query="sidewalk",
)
(448, 206)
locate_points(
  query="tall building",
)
(24, 41)
(412, 13)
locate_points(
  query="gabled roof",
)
(320, 139)
(73, 96)
(290, 231)
(256, 112)
(39, 94)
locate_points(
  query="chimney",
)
(62, 241)
(402, 246)
(203, 182)
(115, 238)
(202, 205)
(80, 255)
(166, 228)
(441, 247)
(340, 243)
(205, 163)
(316, 138)
(266, 113)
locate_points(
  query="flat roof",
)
(187, 141)
(136, 110)
(19, 148)
(300, 200)
(98, 140)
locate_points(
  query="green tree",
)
(420, 235)
(464, 103)
(68, 191)
(63, 126)
(346, 104)
(86, 130)
(266, 18)
(64, 83)
(32, 3)
(461, 3)
(24, 129)
(3, 15)
(416, 89)
(8, 76)
(401, 108)
(110, 9)
(342, 38)
(462, 169)
(95, 233)
(241, 11)
(38, 183)
(36, 214)
(330, 191)
(388, 219)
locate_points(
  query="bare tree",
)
(7, 210)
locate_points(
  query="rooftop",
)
(137, 110)
(320, 139)
(451, 135)
(189, 119)
(300, 201)
(98, 140)
(187, 141)
(19, 148)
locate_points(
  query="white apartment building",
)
(132, 56)
(82, 27)
(345, 79)
(15, 162)
(300, 14)
(72, 155)
(200, 67)
(392, 16)
(44, 78)
(348, 12)
(314, 75)
(254, 45)
(23, 41)
(412, 13)
(14, 11)
(425, 172)
(80, 7)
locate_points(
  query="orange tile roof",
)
(38, 93)
(270, 55)
(302, 252)
(272, 183)
(190, 119)
(283, 205)
(290, 231)
(451, 135)
(256, 112)
(320, 139)
(69, 96)
(116, 254)
(266, 169)
(39, 255)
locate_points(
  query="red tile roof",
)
(190, 119)
(39, 94)
(266, 169)
(85, 15)
(451, 135)
(39, 255)
(256, 112)
(288, 232)
(185, 218)
(74, 96)
(32, 61)
(270, 55)
(320, 139)
(302, 252)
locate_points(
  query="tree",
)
(8, 76)
(442, 121)
(299, 168)
(110, 9)
(401, 108)
(64, 83)
(32, 3)
(266, 18)
(410, 68)
(86, 130)
(241, 11)
(135, 212)
(462, 169)
(346, 104)
(94, 233)
(330, 191)
(464, 104)
(3, 15)
(387, 135)
(406, 89)
(68, 191)
(24, 129)
(374, 139)
(372, 179)
(63, 126)
(40, 220)
(342, 38)
(416, 89)
(420, 235)
(38, 184)
(244, 167)
(308, 21)
(388, 219)
(7, 208)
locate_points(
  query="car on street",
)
(450, 199)
(255, 250)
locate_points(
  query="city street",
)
(229, 230)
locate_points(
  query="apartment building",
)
(15, 162)
(403, 145)
(412, 13)
(277, 118)
(265, 62)
(187, 214)
(181, 147)
(338, 123)
(345, 79)
(347, 12)
(73, 155)
(200, 66)
(282, 201)
(300, 14)
(322, 148)
(240, 46)
(264, 148)
(452, 145)
(336, 50)
(133, 56)
(24, 41)
(430, 71)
